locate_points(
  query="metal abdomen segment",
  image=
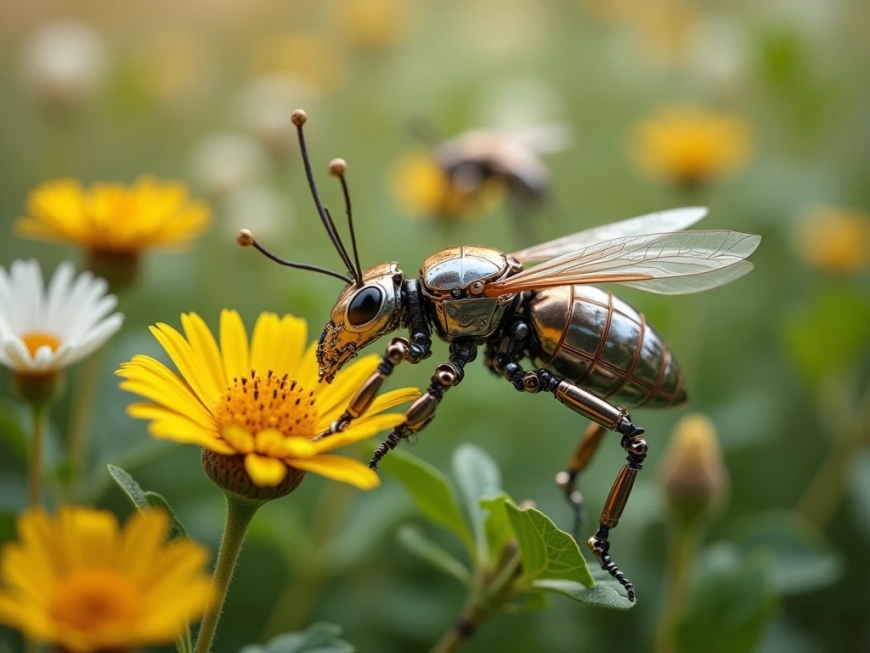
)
(599, 342)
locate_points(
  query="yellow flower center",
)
(95, 597)
(36, 339)
(269, 401)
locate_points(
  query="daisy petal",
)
(265, 471)
(359, 430)
(238, 438)
(338, 468)
(234, 346)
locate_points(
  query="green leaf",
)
(11, 432)
(143, 500)
(731, 604)
(547, 551)
(497, 525)
(607, 592)
(801, 557)
(421, 546)
(130, 487)
(432, 492)
(176, 528)
(317, 638)
(820, 345)
(478, 478)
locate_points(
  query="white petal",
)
(58, 290)
(15, 349)
(96, 338)
(28, 290)
(96, 311)
(42, 361)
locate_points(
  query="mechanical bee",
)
(593, 352)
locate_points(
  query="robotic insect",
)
(591, 351)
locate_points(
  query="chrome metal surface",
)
(599, 342)
(453, 280)
(341, 340)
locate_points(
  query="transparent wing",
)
(691, 283)
(652, 223)
(640, 260)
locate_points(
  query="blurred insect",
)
(480, 165)
(592, 351)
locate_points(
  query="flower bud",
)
(693, 474)
(229, 474)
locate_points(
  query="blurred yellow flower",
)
(693, 473)
(689, 145)
(372, 24)
(113, 221)
(82, 583)
(311, 56)
(259, 401)
(835, 239)
(421, 188)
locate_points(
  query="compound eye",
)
(365, 306)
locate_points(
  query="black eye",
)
(364, 306)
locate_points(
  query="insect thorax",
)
(454, 279)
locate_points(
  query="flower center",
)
(36, 339)
(95, 597)
(259, 402)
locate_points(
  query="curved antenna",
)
(246, 239)
(337, 168)
(299, 117)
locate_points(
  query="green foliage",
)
(414, 541)
(11, 433)
(432, 493)
(478, 478)
(317, 638)
(731, 603)
(144, 500)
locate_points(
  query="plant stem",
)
(38, 413)
(239, 514)
(81, 420)
(683, 551)
(826, 490)
(462, 629)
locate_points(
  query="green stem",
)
(239, 514)
(461, 629)
(39, 413)
(81, 420)
(683, 551)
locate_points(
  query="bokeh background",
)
(201, 90)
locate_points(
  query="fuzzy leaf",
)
(497, 525)
(607, 593)
(143, 500)
(317, 638)
(421, 546)
(731, 604)
(547, 551)
(478, 478)
(432, 492)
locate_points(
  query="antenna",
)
(246, 239)
(299, 118)
(337, 168)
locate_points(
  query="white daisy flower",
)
(44, 330)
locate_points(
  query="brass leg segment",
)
(567, 479)
(599, 543)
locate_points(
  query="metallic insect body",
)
(590, 350)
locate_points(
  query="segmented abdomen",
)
(599, 342)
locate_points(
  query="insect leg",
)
(422, 411)
(610, 417)
(567, 480)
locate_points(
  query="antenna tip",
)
(299, 117)
(245, 238)
(337, 167)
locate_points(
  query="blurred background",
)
(758, 110)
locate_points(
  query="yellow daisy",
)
(257, 400)
(82, 583)
(689, 145)
(113, 220)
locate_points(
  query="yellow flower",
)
(835, 239)
(422, 189)
(259, 401)
(372, 24)
(82, 583)
(113, 221)
(690, 145)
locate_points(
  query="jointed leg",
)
(422, 411)
(567, 479)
